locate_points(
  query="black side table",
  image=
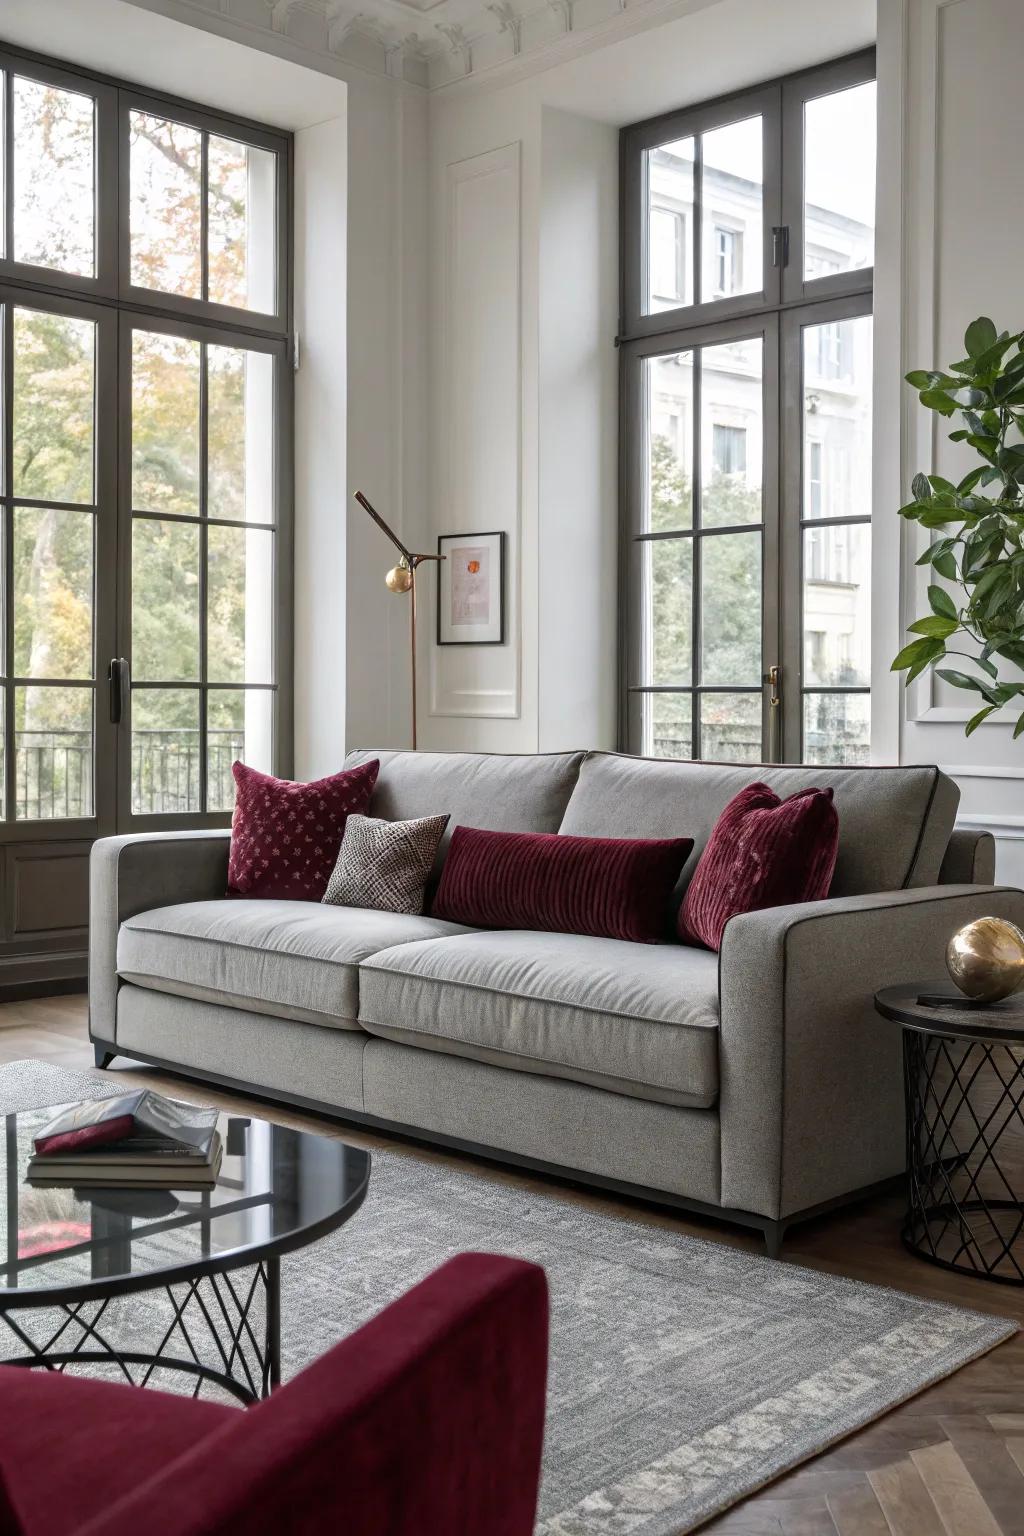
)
(963, 1072)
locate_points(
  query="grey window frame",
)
(784, 303)
(118, 306)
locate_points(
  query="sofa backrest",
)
(894, 823)
(527, 793)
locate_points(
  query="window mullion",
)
(204, 550)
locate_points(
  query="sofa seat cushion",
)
(293, 959)
(637, 1019)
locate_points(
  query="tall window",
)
(746, 426)
(144, 301)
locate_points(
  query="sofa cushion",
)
(611, 887)
(633, 1018)
(526, 793)
(296, 960)
(894, 823)
(285, 836)
(763, 852)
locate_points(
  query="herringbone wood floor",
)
(948, 1463)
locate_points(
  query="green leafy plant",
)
(980, 550)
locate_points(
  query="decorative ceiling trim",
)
(440, 44)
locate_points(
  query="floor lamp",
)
(402, 578)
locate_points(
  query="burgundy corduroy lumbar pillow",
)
(285, 837)
(615, 888)
(762, 852)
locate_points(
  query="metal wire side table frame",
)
(214, 1316)
(963, 1074)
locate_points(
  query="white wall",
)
(949, 60)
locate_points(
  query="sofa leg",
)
(773, 1232)
(102, 1056)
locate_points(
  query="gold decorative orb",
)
(986, 959)
(398, 579)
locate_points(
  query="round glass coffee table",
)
(963, 1073)
(148, 1280)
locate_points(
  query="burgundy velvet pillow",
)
(615, 888)
(762, 852)
(285, 837)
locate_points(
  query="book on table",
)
(136, 1138)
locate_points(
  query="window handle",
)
(780, 245)
(118, 682)
(773, 680)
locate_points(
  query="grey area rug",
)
(684, 1374)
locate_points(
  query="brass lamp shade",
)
(399, 578)
(986, 959)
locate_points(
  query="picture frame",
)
(471, 589)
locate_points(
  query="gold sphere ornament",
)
(986, 959)
(399, 578)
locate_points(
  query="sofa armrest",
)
(811, 1098)
(970, 858)
(132, 874)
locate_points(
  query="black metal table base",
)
(214, 1333)
(964, 1098)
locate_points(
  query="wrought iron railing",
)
(53, 772)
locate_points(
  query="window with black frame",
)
(145, 301)
(746, 366)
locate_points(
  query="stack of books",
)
(139, 1139)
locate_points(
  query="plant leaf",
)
(921, 488)
(922, 651)
(1019, 727)
(935, 625)
(938, 400)
(983, 714)
(979, 336)
(945, 564)
(942, 603)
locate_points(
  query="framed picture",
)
(471, 589)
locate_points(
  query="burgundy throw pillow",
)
(285, 837)
(762, 852)
(615, 888)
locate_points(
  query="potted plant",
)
(980, 551)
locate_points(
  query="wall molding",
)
(482, 361)
(920, 431)
(436, 45)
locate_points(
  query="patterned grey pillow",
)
(385, 864)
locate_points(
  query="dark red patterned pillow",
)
(618, 888)
(285, 837)
(762, 852)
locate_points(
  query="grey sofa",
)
(757, 1084)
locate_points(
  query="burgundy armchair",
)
(426, 1422)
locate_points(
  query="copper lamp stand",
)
(402, 578)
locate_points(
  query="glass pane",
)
(667, 725)
(242, 199)
(669, 226)
(839, 182)
(164, 206)
(668, 392)
(165, 751)
(53, 586)
(837, 418)
(52, 753)
(837, 728)
(239, 724)
(730, 728)
(165, 423)
(837, 605)
(732, 258)
(669, 583)
(54, 205)
(240, 572)
(731, 609)
(731, 408)
(165, 601)
(240, 452)
(54, 391)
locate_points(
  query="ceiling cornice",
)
(437, 45)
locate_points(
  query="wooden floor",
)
(948, 1463)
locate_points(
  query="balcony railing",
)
(53, 772)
